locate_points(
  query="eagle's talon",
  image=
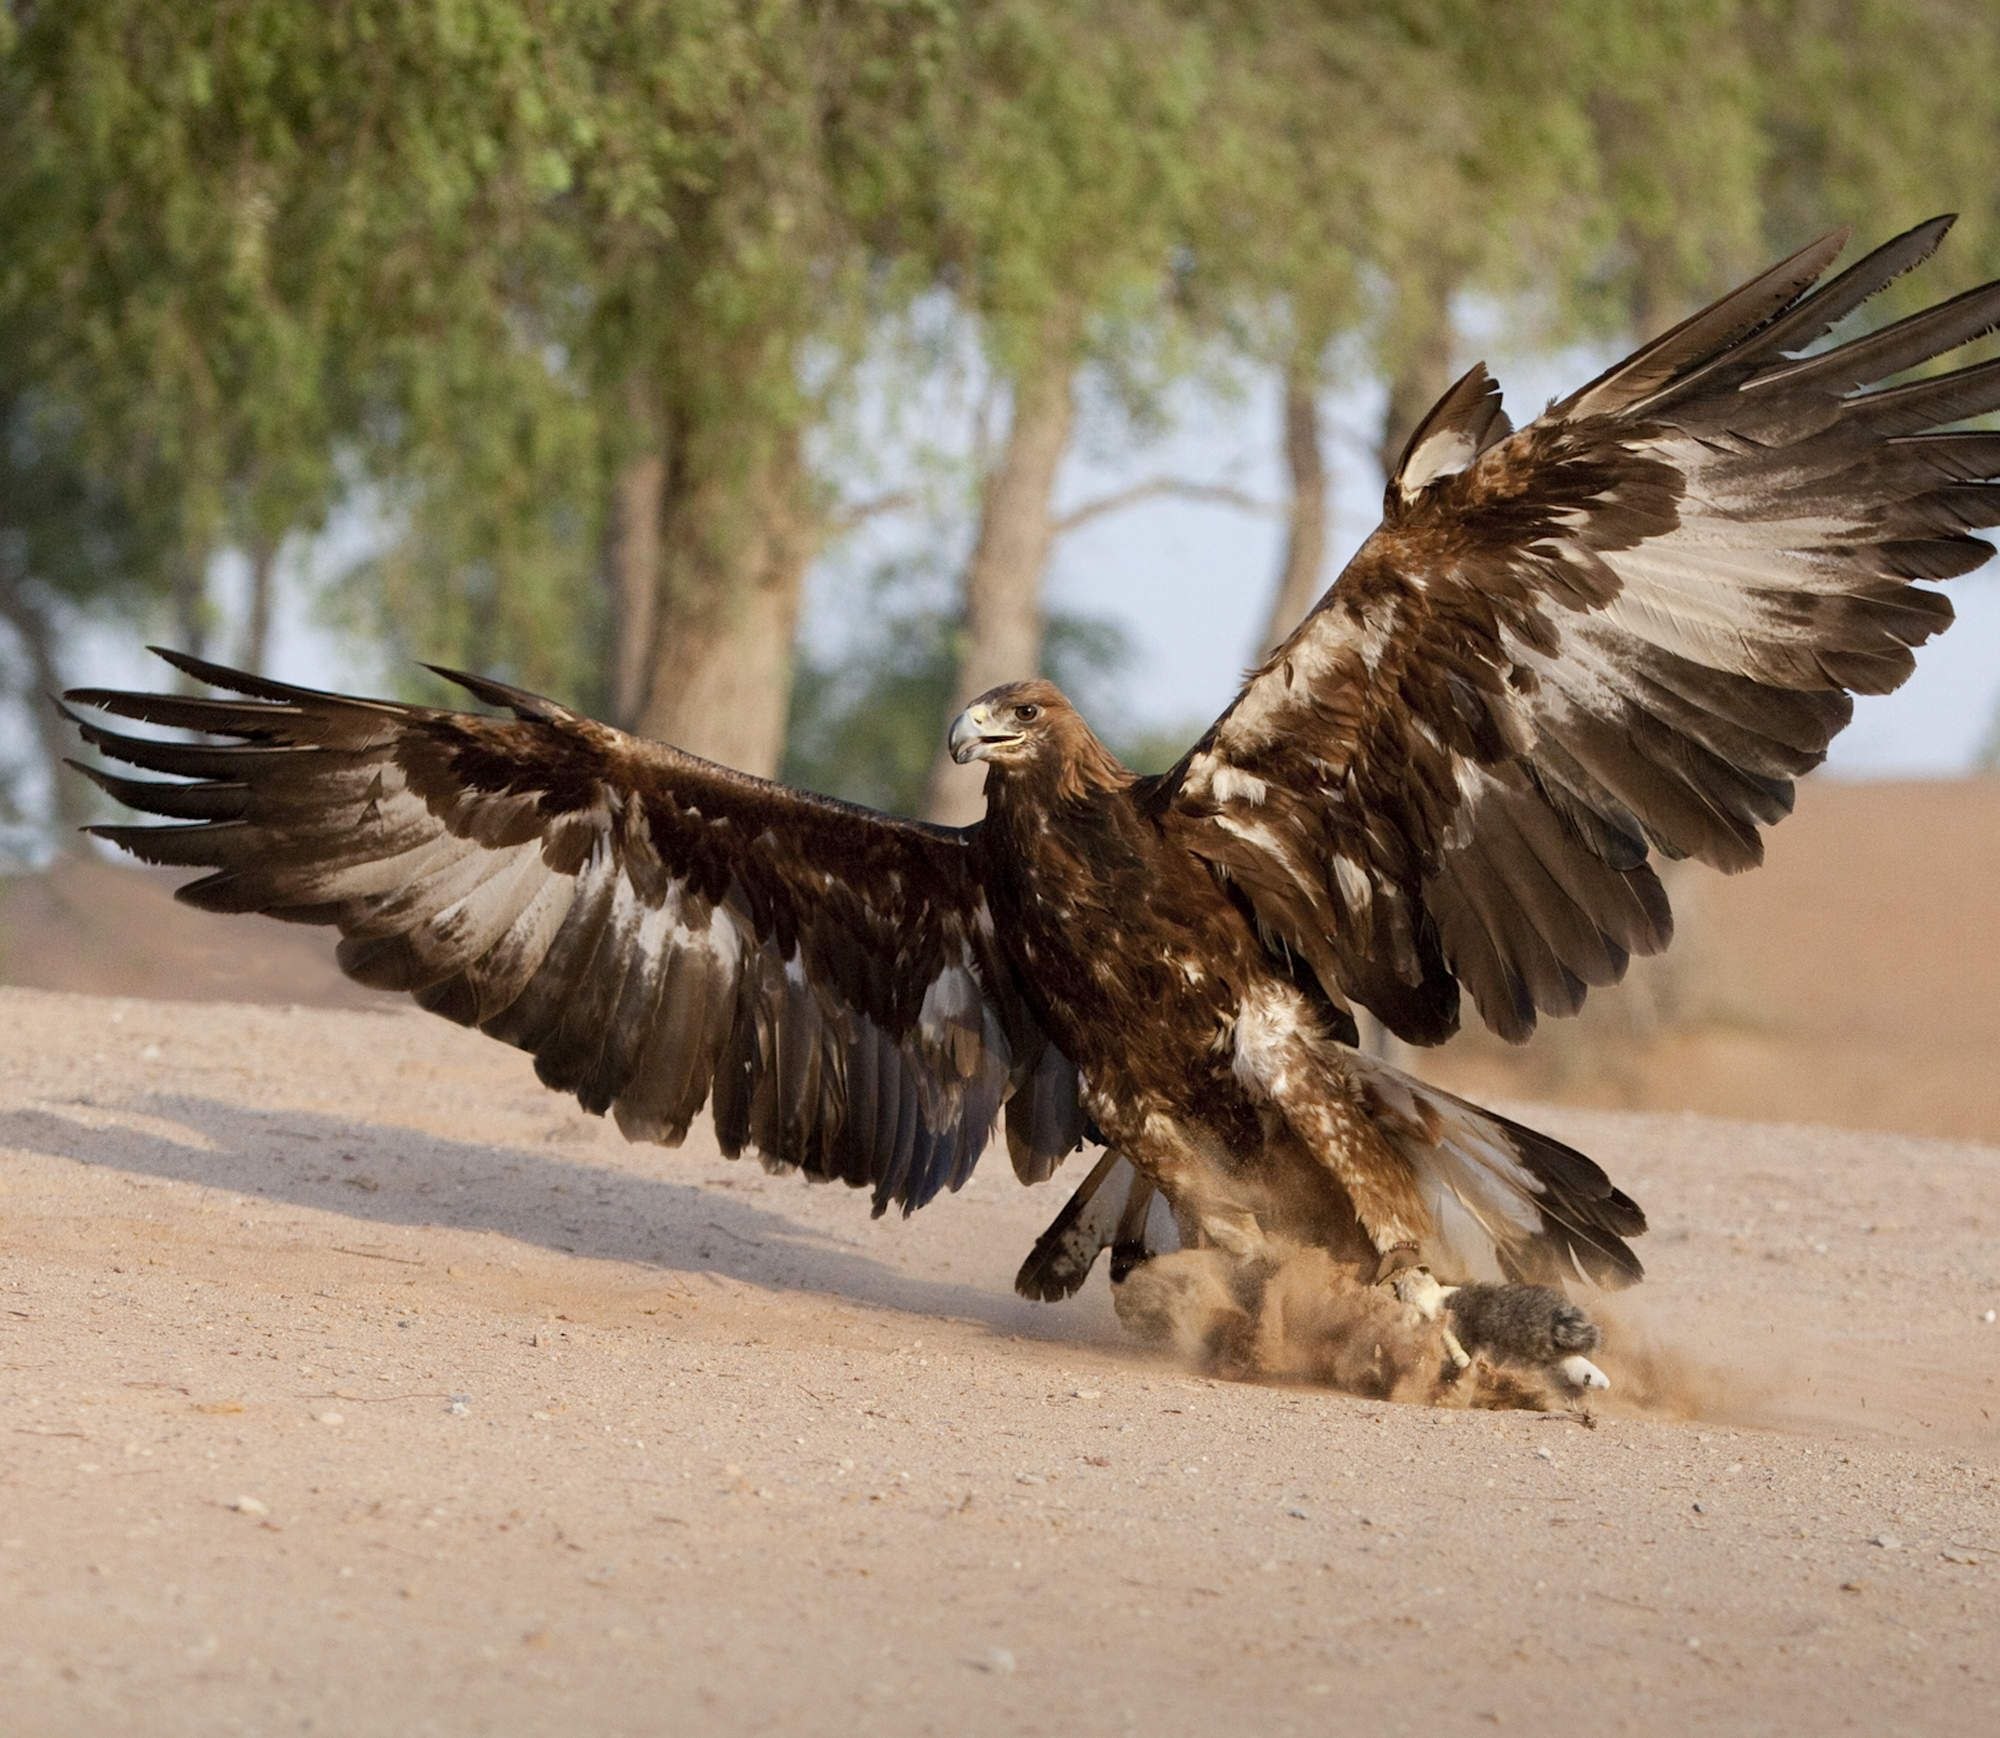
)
(1399, 1259)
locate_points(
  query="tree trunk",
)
(1000, 632)
(735, 550)
(69, 795)
(634, 562)
(188, 596)
(1305, 531)
(1651, 306)
(263, 556)
(1422, 340)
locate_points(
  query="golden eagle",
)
(1624, 629)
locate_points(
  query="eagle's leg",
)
(1284, 1055)
(1234, 1231)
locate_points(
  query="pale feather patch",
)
(515, 958)
(450, 875)
(1232, 785)
(1271, 1025)
(371, 879)
(460, 933)
(1298, 868)
(1444, 454)
(951, 996)
(1481, 1198)
(1356, 890)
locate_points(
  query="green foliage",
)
(1879, 113)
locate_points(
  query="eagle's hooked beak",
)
(973, 734)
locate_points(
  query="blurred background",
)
(772, 375)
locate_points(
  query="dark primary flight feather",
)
(657, 930)
(1626, 629)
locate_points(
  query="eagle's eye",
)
(1027, 712)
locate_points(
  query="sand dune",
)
(355, 1384)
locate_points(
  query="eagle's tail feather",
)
(1506, 1201)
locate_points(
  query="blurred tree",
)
(159, 391)
(70, 547)
(1589, 168)
(1375, 163)
(174, 262)
(569, 295)
(680, 273)
(1063, 148)
(1676, 128)
(711, 208)
(541, 279)
(1879, 114)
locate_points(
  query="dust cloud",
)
(1306, 1318)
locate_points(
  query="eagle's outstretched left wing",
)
(1628, 627)
(653, 927)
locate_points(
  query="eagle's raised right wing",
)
(1627, 628)
(654, 928)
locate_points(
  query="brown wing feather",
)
(658, 931)
(1627, 628)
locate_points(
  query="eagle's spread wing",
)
(1628, 627)
(651, 926)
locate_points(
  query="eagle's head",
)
(1012, 725)
(1021, 726)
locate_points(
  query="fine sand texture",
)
(354, 1384)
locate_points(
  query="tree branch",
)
(855, 513)
(1156, 488)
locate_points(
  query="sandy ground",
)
(354, 1384)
